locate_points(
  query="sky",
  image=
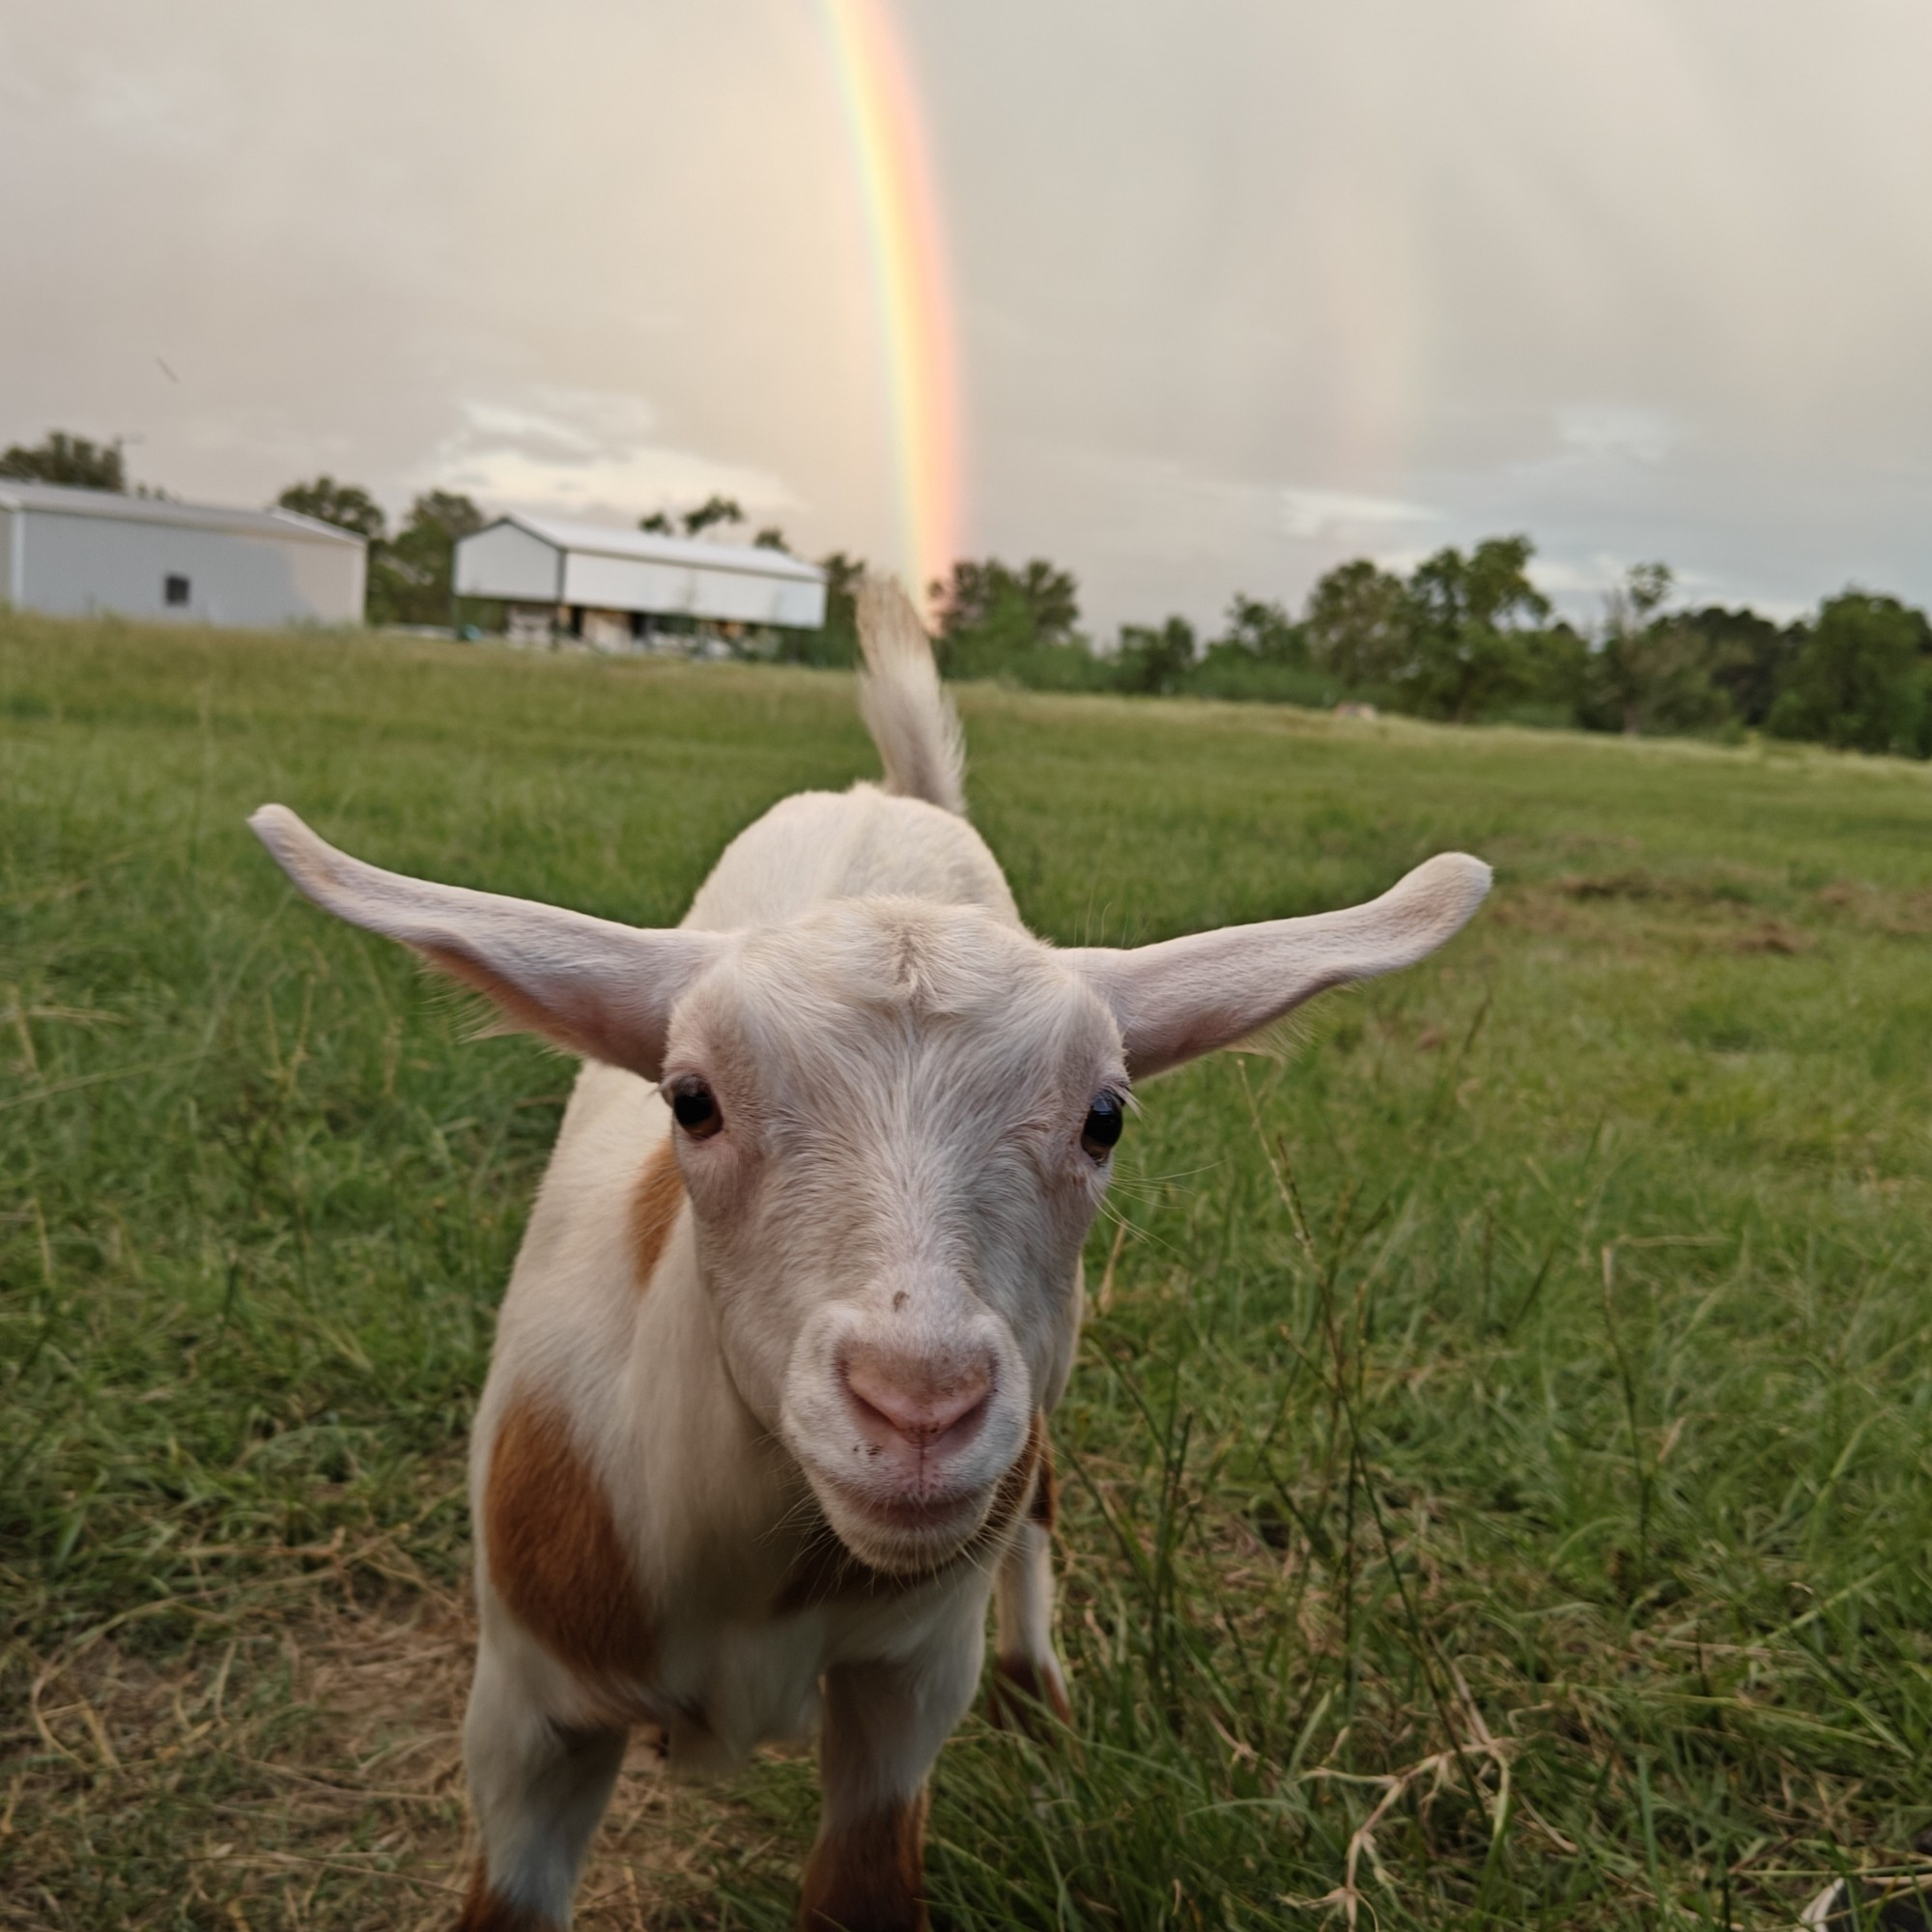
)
(1237, 291)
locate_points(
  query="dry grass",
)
(315, 1767)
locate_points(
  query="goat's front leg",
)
(884, 1724)
(1026, 1670)
(538, 1789)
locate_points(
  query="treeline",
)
(1465, 638)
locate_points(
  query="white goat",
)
(766, 1421)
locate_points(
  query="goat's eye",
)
(1102, 1128)
(694, 1108)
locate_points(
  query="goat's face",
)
(895, 1123)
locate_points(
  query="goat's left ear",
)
(1185, 997)
(593, 986)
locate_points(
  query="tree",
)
(1651, 672)
(714, 509)
(770, 537)
(1749, 657)
(1049, 597)
(657, 524)
(410, 579)
(989, 615)
(1264, 629)
(1356, 625)
(1155, 660)
(1467, 620)
(1556, 669)
(70, 460)
(1859, 678)
(346, 506)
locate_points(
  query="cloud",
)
(1570, 578)
(1616, 431)
(586, 450)
(1313, 513)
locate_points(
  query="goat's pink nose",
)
(921, 1409)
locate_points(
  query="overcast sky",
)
(1242, 290)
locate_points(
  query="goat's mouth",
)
(898, 1530)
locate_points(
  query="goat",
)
(766, 1424)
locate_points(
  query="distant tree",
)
(1555, 671)
(1467, 617)
(1264, 629)
(657, 524)
(1356, 625)
(411, 582)
(713, 510)
(346, 506)
(988, 615)
(1859, 678)
(1650, 673)
(1153, 660)
(770, 537)
(71, 459)
(1749, 657)
(1048, 596)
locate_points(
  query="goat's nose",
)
(920, 1408)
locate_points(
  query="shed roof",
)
(55, 499)
(605, 540)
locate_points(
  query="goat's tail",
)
(910, 716)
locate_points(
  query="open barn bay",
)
(1497, 1484)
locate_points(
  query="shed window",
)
(176, 591)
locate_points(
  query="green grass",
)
(1504, 1414)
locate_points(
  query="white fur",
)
(903, 1075)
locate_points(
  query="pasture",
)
(1498, 1475)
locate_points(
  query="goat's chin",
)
(901, 1535)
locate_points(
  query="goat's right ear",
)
(601, 989)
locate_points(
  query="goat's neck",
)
(728, 1504)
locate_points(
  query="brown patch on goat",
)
(1016, 1487)
(1019, 1688)
(654, 1204)
(486, 1910)
(867, 1876)
(554, 1554)
(825, 1569)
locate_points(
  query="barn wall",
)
(78, 566)
(507, 562)
(734, 596)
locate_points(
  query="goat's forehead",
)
(900, 983)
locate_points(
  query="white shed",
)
(591, 579)
(84, 552)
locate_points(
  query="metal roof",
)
(54, 499)
(604, 540)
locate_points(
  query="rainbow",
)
(908, 255)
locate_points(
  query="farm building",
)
(604, 585)
(85, 553)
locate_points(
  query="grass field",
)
(1498, 1474)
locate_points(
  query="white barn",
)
(605, 584)
(89, 552)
